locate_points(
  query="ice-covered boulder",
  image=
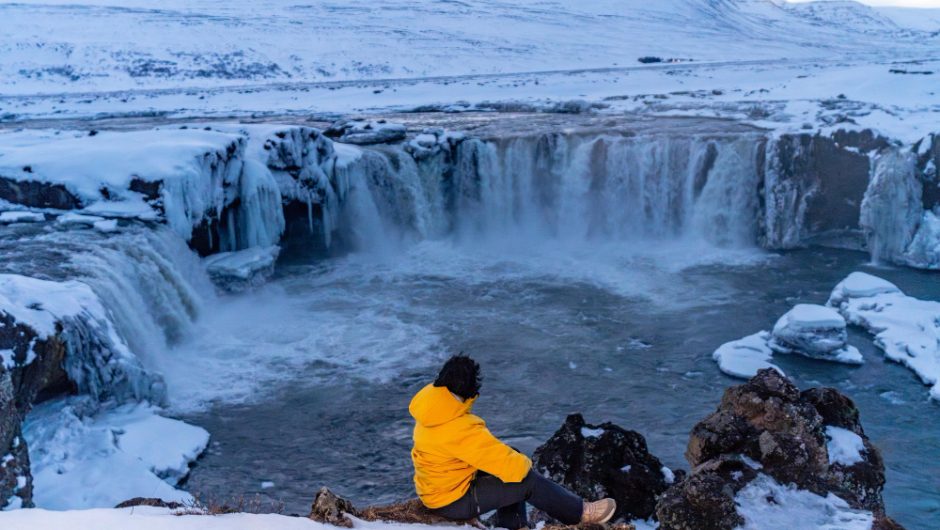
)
(366, 132)
(606, 460)
(242, 270)
(814, 331)
(767, 440)
(905, 328)
(12, 217)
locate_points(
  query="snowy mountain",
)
(61, 45)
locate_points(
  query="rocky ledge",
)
(769, 454)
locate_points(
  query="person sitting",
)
(463, 471)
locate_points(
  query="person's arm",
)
(479, 448)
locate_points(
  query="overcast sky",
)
(909, 3)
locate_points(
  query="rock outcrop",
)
(767, 427)
(597, 461)
(20, 384)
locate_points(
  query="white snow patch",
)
(905, 328)
(85, 456)
(21, 217)
(148, 518)
(743, 358)
(844, 446)
(72, 218)
(668, 475)
(267, 484)
(591, 433)
(766, 505)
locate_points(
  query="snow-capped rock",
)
(606, 460)
(814, 331)
(767, 437)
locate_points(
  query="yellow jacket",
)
(450, 445)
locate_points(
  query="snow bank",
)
(147, 518)
(744, 357)
(84, 456)
(814, 331)
(768, 505)
(905, 328)
(844, 446)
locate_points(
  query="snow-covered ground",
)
(120, 44)
(146, 518)
(776, 64)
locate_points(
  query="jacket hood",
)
(435, 405)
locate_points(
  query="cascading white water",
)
(150, 286)
(566, 187)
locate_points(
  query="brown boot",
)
(598, 512)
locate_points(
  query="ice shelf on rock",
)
(905, 328)
(182, 175)
(767, 505)
(243, 269)
(85, 454)
(744, 357)
(21, 217)
(73, 218)
(98, 360)
(814, 331)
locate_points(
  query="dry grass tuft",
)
(410, 512)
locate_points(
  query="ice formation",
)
(87, 455)
(814, 331)
(905, 328)
(810, 330)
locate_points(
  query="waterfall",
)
(145, 288)
(562, 186)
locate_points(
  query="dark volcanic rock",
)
(604, 461)
(150, 501)
(362, 132)
(814, 187)
(330, 508)
(36, 194)
(20, 384)
(768, 426)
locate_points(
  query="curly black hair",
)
(461, 375)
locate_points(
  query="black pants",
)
(488, 493)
